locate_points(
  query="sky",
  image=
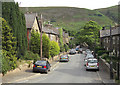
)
(89, 4)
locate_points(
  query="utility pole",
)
(41, 26)
(111, 69)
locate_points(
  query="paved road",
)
(67, 72)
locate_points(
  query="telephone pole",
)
(41, 26)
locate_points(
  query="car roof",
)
(92, 59)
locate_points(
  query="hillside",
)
(69, 18)
(111, 12)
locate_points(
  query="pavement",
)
(62, 72)
(23, 74)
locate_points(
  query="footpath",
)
(23, 74)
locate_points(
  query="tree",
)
(16, 20)
(8, 48)
(61, 40)
(89, 33)
(46, 46)
(35, 42)
(55, 49)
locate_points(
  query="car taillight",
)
(44, 66)
(97, 64)
(60, 58)
(34, 66)
(66, 58)
(87, 64)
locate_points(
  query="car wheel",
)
(86, 69)
(46, 72)
(97, 69)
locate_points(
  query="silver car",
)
(88, 57)
(64, 58)
(92, 63)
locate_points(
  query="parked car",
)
(92, 63)
(88, 57)
(72, 51)
(88, 51)
(64, 58)
(77, 49)
(41, 66)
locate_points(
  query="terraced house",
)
(105, 42)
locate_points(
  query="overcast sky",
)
(90, 4)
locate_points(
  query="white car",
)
(92, 63)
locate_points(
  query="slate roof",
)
(30, 19)
(105, 33)
(49, 31)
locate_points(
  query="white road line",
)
(100, 77)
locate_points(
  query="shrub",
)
(104, 56)
(35, 42)
(66, 47)
(55, 49)
(46, 46)
(31, 56)
(100, 52)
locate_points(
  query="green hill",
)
(70, 18)
(111, 12)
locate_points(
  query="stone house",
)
(31, 24)
(105, 39)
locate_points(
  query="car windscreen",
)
(92, 61)
(40, 62)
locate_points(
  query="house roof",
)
(49, 31)
(30, 19)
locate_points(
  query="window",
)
(113, 39)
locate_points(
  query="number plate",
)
(39, 66)
(91, 66)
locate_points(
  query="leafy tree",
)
(55, 49)
(61, 40)
(8, 48)
(89, 33)
(16, 20)
(46, 46)
(35, 42)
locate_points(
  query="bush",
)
(55, 49)
(100, 52)
(46, 46)
(66, 47)
(104, 56)
(5, 65)
(31, 56)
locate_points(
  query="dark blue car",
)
(41, 66)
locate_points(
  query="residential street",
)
(69, 72)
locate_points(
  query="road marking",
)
(100, 77)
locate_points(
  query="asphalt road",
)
(67, 72)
